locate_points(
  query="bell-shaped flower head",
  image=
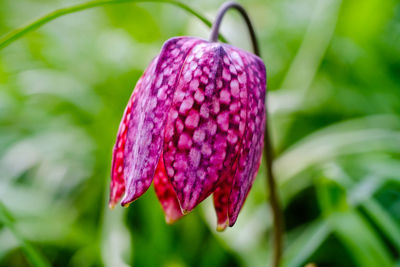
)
(195, 124)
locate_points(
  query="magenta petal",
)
(166, 194)
(147, 119)
(117, 169)
(221, 201)
(205, 123)
(253, 141)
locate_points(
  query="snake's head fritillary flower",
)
(195, 125)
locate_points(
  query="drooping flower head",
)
(195, 125)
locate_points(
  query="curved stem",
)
(274, 198)
(18, 33)
(271, 185)
(217, 23)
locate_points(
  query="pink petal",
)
(117, 170)
(221, 201)
(166, 194)
(205, 121)
(148, 115)
(253, 141)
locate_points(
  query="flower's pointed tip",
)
(232, 221)
(172, 215)
(185, 211)
(125, 204)
(128, 199)
(170, 220)
(111, 205)
(222, 226)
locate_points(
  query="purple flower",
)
(195, 124)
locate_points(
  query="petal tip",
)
(232, 221)
(128, 199)
(111, 205)
(185, 211)
(172, 214)
(222, 226)
(170, 220)
(125, 203)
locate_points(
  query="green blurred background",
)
(334, 82)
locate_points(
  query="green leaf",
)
(384, 221)
(363, 242)
(361, 194)
(353, 230)
(344, 138)
(32, 255)
(306, 244)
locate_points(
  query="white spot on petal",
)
(204, 111)
(186, 105)
(194, 84)
(199, 135)
(187, 77)
(235, 88)
(226, 75)
(242, 78)
(185, 142)
(206, 149)
(194, 157)
(193, 65)
(225, 97)
(199, 96)
(232, 69)
(204, 79)
(223, 121)
(192, 121)
(201, 174)
(197, 73)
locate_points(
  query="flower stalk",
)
(14, 35)
(268, 152)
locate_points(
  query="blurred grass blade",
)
(18, 33)
(314, 45)
(361, 194)
(363, 242)
(343, 138)
(306, 63)
(384, 221)
(366, 248)
(32, 255)
(306, 244)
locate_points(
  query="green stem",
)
(32, 255)
(18, 33)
